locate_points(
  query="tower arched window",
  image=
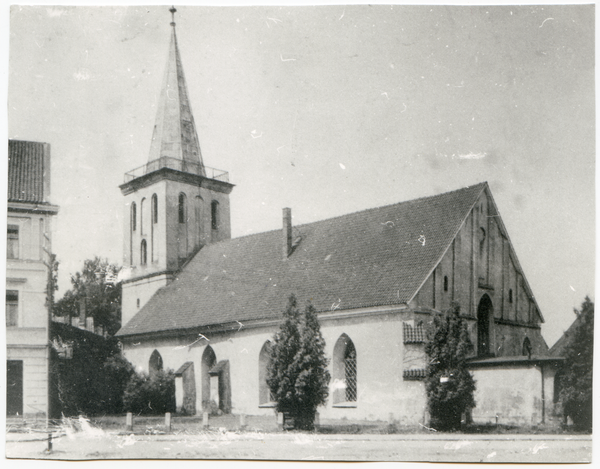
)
(481, 241)
(154, 208)
(345, 371)
(214, 215)
(133, 216)
(142, 216)
(143, 253)
(445, 283)
(510, 295)
(182, 208)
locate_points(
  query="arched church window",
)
(510, 295)
(265, 397)
(182, 208)
(209, 359)
(155, 363)
(214, 214)
(133, 216)
(445, 283)
(345, 376)
(143, 253)
(154, 208)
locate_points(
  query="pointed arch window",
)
(345, 376)
(214, 215)
(154, 209)
(143, 253)
(182, 208)
(155, 364)
(445, 283)
(133, 216)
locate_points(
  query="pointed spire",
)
(175, 133)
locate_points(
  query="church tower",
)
(174, 205)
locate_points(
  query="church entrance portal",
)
(216, 388)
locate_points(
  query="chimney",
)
(287, 232)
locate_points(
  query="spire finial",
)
(172, 10)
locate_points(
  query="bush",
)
(150, 394)
(449, 384)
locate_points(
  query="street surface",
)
(98, 444)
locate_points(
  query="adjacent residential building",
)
(27, 273)
(207, 306)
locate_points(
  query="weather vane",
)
(172, 10)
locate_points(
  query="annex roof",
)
(374, 257)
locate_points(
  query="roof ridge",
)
(418, 199)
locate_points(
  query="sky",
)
(327, 110)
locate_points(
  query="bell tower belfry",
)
(174, 205)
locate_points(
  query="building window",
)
(214, 214)
(143, 253)
(12, 242)
(445, 283)
(154, 209)
(12, 308)
(182, 208)
(133, 216)
(510, 295)
(345, 373)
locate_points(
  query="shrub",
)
(150, 394)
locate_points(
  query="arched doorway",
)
(209, 360)
(485, 314)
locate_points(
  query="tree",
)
(297, 372)
(97, 290)
(449, 383)
(576, 374)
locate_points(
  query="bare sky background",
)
(327, 110)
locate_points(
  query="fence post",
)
(168, 421)
(49, 449)
(205, 420)
(317, 420)
(129, 422)
(280, 421)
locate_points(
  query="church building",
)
(207, 306)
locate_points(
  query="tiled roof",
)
(414, 374)
(374, 257)
(413, 335)
(28, 163)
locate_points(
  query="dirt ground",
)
(87, 442)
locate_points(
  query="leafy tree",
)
(96, 287)
(297, 372)
(576, 374)
(449, 383)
